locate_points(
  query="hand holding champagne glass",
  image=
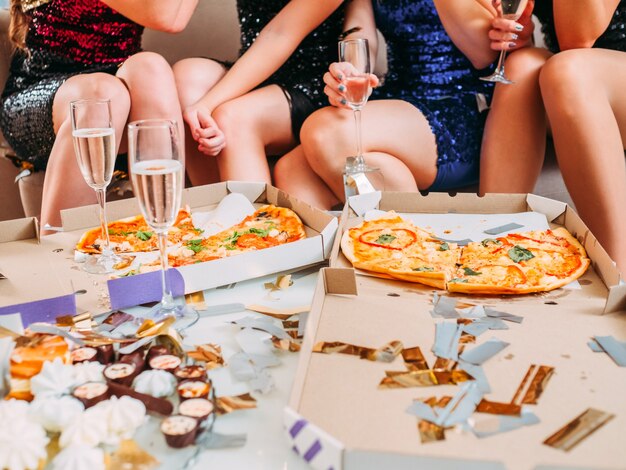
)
(510, 10)
(157, 174)
(94, 145)
(358, 176)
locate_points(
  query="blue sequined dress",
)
(614, 37)
(426, 69)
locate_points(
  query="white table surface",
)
(266, 446)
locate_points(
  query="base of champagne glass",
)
(101, 264)
(185, 315)
(497, 78)
(360, 178)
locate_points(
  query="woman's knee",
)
(323, 133)
(145, 64)
(235, 116)
(195, 77)
(564, 80)
(526, 62)
(99, 86)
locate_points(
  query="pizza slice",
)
(132, 235)
(395, 247)
(267, 227)
(520, 263)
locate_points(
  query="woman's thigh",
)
(263, 115)
(392, 127)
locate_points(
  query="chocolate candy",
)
(193, 389)
(179, 431)
(121, 372)
(191, 372)
(136, 358)
(155, 351)
(84, 354)
(154, 404)
(166, 362)
(106, 354)
(198, 408)
(91, 393)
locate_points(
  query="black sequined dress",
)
(429, 71)
(301, 76)
(65, 38)
(613, 38)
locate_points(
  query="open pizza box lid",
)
(142, 288)
(337, 417)
(38, 293)
(557, 214)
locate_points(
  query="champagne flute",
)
(157, 174)
(94, 145)
(510, 10)
(358, 176)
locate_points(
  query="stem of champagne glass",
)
(167, 301)
(500, 67)
(101, 195)
(360, 161)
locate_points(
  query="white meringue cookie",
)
(88, 428)
(122, 417)
(88, 371)
(55, 413)
(22, 444)
(13, 409)
(54, 379)
(157, 383)
(79, 457)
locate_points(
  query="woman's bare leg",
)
(583, 91)
(254, 125)
(293, 175)
(194, 78)
(514, 140)
(64, 186)
(396, 138)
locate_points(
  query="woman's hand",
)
(204, 130)
(509, 35)
(336, 84)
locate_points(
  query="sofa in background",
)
(212, 32)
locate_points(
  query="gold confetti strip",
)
(6, 333)
(79, 322)
(430, 432)
(280, 313)
(533, 384)
(497, 408)
(126, 262)
(434, 401)
(282, 282)
(129, 456)
(422, 378)
(196, 300)
(31, 4)
(414, 359)
(211, 354)
(578, 429)
(285, 344)
(238, 402)
(386, 353)
(287, 324)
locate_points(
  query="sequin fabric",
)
(65, 38)
(426, 69)
(613, 38)
(305, 68)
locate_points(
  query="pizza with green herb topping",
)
(268, 226)
(517, 263)
(132, 235)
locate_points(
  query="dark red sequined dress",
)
(65, 38)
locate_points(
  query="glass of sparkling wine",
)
(358, 176)
(94, 145)
(157, 174)
(510, 10)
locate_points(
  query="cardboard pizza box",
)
(30, 281)
(339, 418)
(143, 288)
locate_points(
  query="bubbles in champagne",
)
(158, 185)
